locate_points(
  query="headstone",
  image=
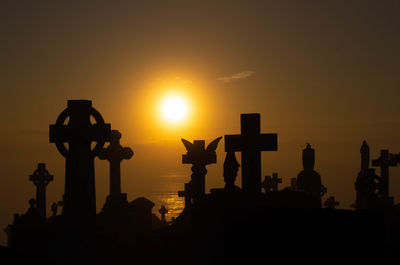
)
(114, 154)
(199, 157)
(41, 178)
(271, 184)
(331, 203)
(250, 143)
(163, 211)
(231, 167)
(385, 161)
(79, 133)
(186, 194)
(308, 179)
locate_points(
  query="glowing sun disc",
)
(174, 108)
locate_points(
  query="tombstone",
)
(163, 211)
(308, 179)
(41, 178)
(293, 184)
(231, 167)
(330, 203)
(199, 157)
(114, 154)
(79, 133)
(250, 143)
(385, 161)
(271, 184)
(186, 194)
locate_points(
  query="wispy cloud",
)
(234, 77)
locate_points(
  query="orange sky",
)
(325, 73)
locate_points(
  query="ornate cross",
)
(250, 143)
(79, 133)
(41, 178)
(271, 184)
(114, 154)
(199, 156)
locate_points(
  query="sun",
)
(174, 108)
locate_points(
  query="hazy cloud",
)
(241, 75)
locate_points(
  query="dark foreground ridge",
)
(229, 225)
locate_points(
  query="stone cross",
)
(163, 211)
(199, 156)
(331, 203)
(250, 143)
(271, 184)
(186, 194)
(114, 154)
(385, 161)
(54, 207)
(41, 178)
(74, 127)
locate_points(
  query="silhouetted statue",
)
(114, 154)
(308, 179)
(385, 161)
(79, 197)
(364, 150)
(186, 194)
(271, 184)
(199, 157)
(331, 203)
(163, 211)
(231, 167)
(41, 178)
(250, 143)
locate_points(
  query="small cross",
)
(330, 203)
(41, 178)
(186, 194)
(250, 143)
(385, 161)
(163, 211)
(114, 154)
(271, 184)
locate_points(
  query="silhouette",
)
(163, 211)
(231, 167)
(308, 179)
(385, 161)
(186, 194)
(250, 142)
(114, 154)
(41, 178)
(271, 184)
(79, 197)
(331, 203)
(199, 157)
(293, 184)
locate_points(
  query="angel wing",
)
(213, 145)
(188, 145)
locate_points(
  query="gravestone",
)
(114, 154)
(271, 184)
(74, 128)
(41, 178)
(199, 157)
(231, 167)
(330, 203)
(250, 143)
(163, 211)
(186, 194)
(385, 161)
(308, 179)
